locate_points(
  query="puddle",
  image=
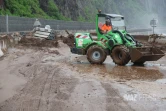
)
(129, 72)
(162, 81)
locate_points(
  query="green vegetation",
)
(134, 11)
(31, 8)
(53, 11)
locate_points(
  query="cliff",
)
(136, 12)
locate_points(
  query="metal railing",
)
(21, 24)
(13, 24)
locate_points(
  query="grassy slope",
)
(31, 8)
(131, 9)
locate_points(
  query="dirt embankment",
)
(151, 40)
(40, 42)
(27, 39)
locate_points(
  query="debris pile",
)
(42, 42)
(38, 42)
(27, 39)
(154, 40)
(69, 40)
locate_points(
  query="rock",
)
(29, 64)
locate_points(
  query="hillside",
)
(136, 12)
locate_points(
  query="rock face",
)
(135, 11)
(69, 8)
(44, 4)
(1, 3)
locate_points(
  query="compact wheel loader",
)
(117, 43)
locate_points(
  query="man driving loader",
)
(107, 26)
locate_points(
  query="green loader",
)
(117, 43)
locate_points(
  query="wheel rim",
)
(96, 55)
(120, 56)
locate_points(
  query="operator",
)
(107, 26)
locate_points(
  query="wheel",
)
(120, 55)
(96, 55)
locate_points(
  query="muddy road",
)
(53, 79)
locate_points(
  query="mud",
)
(144, 39)
(28, 40)
(47, 77)
(38, 42)
(50, 84)
(110, 70)
(69, 40)
(8, 40)
(141, 37)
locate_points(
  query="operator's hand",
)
(105, 31)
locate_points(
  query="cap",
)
(107, 17)
(108, 20)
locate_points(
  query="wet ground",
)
(148, 71)
(53, 79)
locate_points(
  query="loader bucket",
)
(143, 54)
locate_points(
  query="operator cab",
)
(117, 21)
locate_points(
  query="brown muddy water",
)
(146, 72)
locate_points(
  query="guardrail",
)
(139, 30)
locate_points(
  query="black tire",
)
(96, 55)
(120, 55)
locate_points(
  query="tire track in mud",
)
(114, 101)
(52, 86)
(42, 90)
(48, 72)
(30, 94)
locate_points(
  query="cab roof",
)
(111, 15)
